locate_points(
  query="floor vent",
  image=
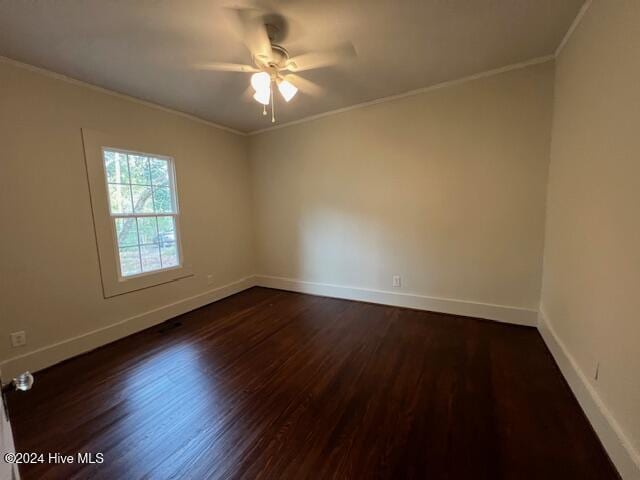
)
(166, 327)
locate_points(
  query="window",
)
(135, 206)
(144, 211)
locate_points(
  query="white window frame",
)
(95, 143)
(175, 214)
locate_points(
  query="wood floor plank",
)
(268, 384)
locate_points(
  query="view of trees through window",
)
(143, 208)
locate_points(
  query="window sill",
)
(140, 282)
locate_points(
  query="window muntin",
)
(144, 211)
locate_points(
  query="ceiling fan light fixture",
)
(287, 89)
(261, 81)
(262, 96)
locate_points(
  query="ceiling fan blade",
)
(225, 67)
(308, 61)
(253, 32)
(306, 86)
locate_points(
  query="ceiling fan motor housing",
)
(277, 28)
(280, 56)
(278, 60)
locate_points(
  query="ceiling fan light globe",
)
(262, 96)
(287, 89)
(260, 81)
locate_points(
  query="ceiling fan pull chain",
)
(273, 107)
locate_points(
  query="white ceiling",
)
(146, 48)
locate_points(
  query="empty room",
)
(337, 239)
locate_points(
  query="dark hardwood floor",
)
(278, 385)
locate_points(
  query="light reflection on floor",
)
(176, 371)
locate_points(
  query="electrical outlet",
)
(209, 279)
(18, 339)
(397, 281)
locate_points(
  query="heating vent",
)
(167, 327)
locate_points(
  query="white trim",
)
(489, 73)
(113, 283)
(51, 354)
(501, 313)
(146, 103)
(174, 214)
(7, 470)
(418, 91)
(572, 27)
(617, 444)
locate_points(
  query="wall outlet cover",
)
(18, 339)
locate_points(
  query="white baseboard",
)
(620, 450)
(501, 313)
(51, 354)
(618, 446)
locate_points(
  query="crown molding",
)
(73, 81)
(410, 93)
(507, 68)
(488, 73)
(573, 26)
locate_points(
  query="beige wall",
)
(591, 288)
(446, 188)
(444, 199)
(50, 281)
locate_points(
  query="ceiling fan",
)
(272, 66)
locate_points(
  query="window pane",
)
(137, 185)
(162, 199)
(142, 199)
(169, 253)
(127, 231)
(130, 261)
(159, 171)
(139, 169)
(147, 229)
(120, 199)
(150, 258)
(115, 164)
(165, 225)
(167, 241)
